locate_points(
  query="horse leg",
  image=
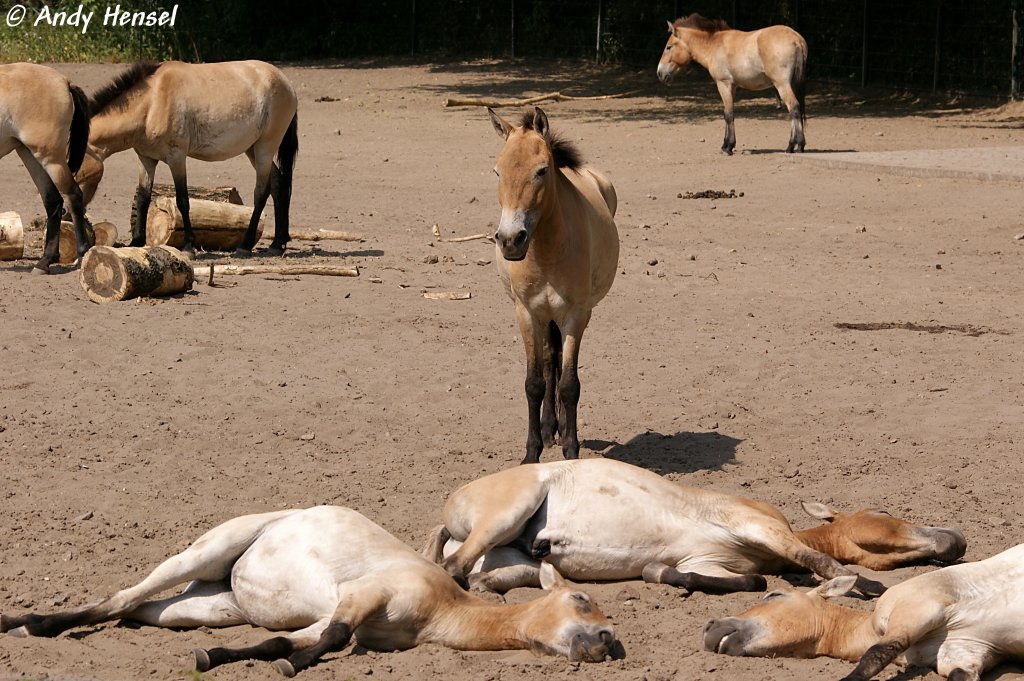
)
(180, 176)
(569, 384)
(143, 196)
(274, 648)
(549, 423)
(728, 92)
(201, 604)
(533, 342)
(281, 192)
(725, 582)
(358, 602)
(263, 162)
(53, 204)
(796, 131)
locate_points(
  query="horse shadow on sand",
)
(683, 452)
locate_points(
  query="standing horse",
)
(173, 111)
(557, 252)
(328, 574)
(756, 60)
(45, 119)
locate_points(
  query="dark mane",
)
(565, 153)
(121, 84)
(701, 24)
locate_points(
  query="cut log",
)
(110, 274)
(222, 194)
(12, 236)
(217, 226)
(322, 270)
(105, 232)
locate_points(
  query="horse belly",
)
(221, 142)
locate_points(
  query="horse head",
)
(675, 57)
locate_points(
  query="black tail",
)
(79, 129)
(799, 84)
(286, 154)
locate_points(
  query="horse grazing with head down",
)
(327, 574)
(961, 621)
(46, 120)
(756, 60)
(557, 252)
(212, 112)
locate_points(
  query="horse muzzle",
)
(728, 636)
(513, 235)
(950, 544)
(595, 647)
(666, 72)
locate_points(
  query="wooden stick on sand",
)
(322, 270)
(551, 96)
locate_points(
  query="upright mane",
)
(122, 84)
(565, 153)
(701, 23)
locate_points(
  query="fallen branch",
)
(321, 235)
(322, 270)
(473, 237)
(447, 295)
(551, 96)
(968, 329)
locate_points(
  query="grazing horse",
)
(557, 252)
(960, 621)
(212, 112)
(599, 519)
(46, 120)
(327, 574)
(755, 60)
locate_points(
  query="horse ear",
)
(671, 27)
(549, 577)
(540, 121)
(837, 586)
(818, 510)
(501, 126)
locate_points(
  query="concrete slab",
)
(982, 163)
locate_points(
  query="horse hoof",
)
(241, 252)
(40, 270)
(275, 250)
(202, 660)
(285, 667)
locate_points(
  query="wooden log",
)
(110, 274)
(322, 270)
(321, 235)
(105, 233)
(551, 96)
(217, 226)
(12, 236)
(222, 194)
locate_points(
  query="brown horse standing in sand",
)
(756, 60)
(557, 252)
(45, 119)
(173, 111)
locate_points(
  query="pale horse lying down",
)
(327, 574)
(601, 519)
(960, 621)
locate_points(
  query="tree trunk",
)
(217, 226)
(106, 235)
(12, 237)
(110, 274)
(222, 194)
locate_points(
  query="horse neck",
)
(116, 129)
(701, 45)
(848, 633)
(825, 539)
(470, 623)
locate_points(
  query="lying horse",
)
(960, 621)
(774, 56)
(173, 111)
(598, 519)
(328, 574)
(557, 252)
(46, 120)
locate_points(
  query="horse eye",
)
(668, 48)
(581, 597)
(773, 594)
(541, 172)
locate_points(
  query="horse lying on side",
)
(327, 574)
(960, 621)
(598, 519)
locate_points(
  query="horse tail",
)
(433, 550)
(799, 83)
(287, 152)
(79, 129)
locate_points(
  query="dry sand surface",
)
(126, 430)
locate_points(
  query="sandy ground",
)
(126, 430)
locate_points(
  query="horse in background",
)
(173, 111)
(46, 120)
(775, 56)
